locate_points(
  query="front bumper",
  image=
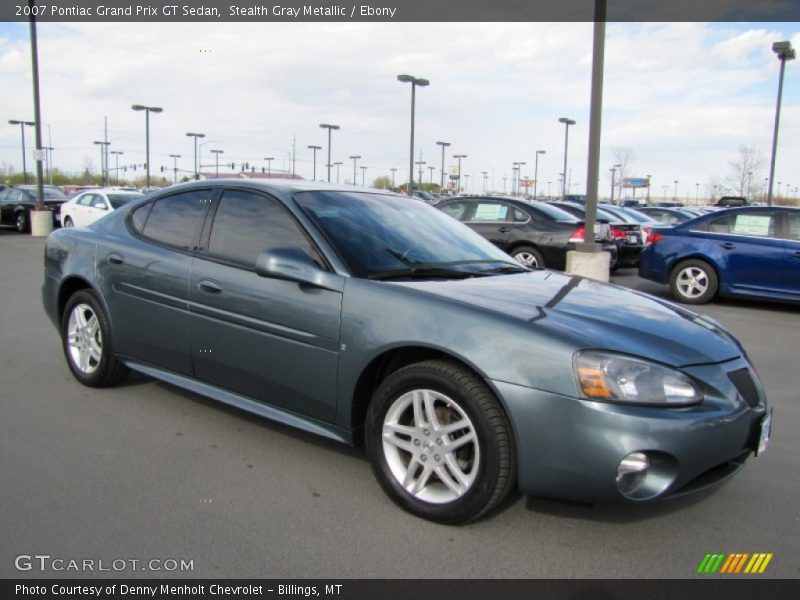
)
(570, 448)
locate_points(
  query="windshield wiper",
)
(504, 270)
(422, 273)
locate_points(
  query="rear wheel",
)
(86, 341)
(68, 222)
(694, 282)
(528, 256)
(439, 442)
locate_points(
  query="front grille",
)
(745, 383)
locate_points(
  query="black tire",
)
(68, 222)
(106, 371)
(490, 456)
(21, 222)
(693, 281)
(528, 256)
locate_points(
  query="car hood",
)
(595, 315)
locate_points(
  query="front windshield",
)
(378, 233)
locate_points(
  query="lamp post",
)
(363, 174)
(567, 122)
(485, 178)
(420, 164)
(174, 158)
(22, 125)
(459, 157)
(443, 145)
(785, 52)
(147, 110)
(117, 154)
(338, 164)
(196, 166)
(536, 172)
(518, 169)
(414, 81)
(103, 166)
(315, 148)
(697, 193)
(48, 159)
(355, 158)
(269, 160)
(675, 196)
(466, 182)
(393, 170)
(431, 169)
(216, 154)
(649, 177)
(329, 128)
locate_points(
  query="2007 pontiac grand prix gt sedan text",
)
(352, 313)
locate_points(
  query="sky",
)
(682, 96)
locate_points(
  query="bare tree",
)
(623, 156)
(746, 171)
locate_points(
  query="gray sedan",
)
(356, 314)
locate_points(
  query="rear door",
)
(747, 247)
(491, 219)
(80, 208)
(272, 340)
(146, 281)
(791, 272)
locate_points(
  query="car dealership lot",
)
(148, 471)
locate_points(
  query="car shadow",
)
(616, 513)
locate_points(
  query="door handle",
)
(115, 259)
(210, 286)
(729, 246)
(504, 229)
(797, 254)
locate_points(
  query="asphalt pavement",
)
(147, 471)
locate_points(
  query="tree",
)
(746, 171)
(382, 183)
(623, 156)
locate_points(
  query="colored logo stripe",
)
(734, 563)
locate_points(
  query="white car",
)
(87, 207)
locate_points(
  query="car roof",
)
(276, 186)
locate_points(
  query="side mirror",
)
(292, 264)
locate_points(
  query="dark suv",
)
(17, 201)
(732, 201)
(536, 234)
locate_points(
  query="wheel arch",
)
(701, 257)
(386, 363)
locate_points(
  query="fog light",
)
(631, 472)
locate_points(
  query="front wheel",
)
(439, 442)
(694, 282)
(68, 222)
(86, 341)
(21, 222)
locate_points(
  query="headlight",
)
(608, 377)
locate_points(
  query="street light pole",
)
(517, 171)
(414, 81)
(103, 165)
(338, 164)
(536, 172)
(117, 153)
(22, 125)
(363, 174)
(613, 173)
(675, 196)
(196, 166)
(567, 122)
(174, 158)
(269, 160)
(393, 170)
(785, 52)
(443, 145)
(459, 157)
(147, 110)
(315, 148)
(420, 164)
(329, 128)
(431, 169)
(355, 158)
(216, 161)
(485, 177)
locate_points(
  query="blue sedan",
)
(750, 252)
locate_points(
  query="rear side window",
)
(489, 212)
(176, 220)
(247, 223)
(749, 224)
(457, 210)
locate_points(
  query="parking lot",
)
(148, 471)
